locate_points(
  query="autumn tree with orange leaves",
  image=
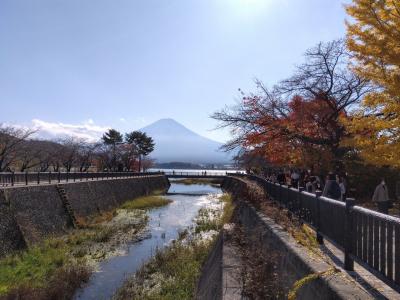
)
(297, 122)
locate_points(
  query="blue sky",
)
(86, 65)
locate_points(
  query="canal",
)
(164, 225)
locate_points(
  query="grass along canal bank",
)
(55, 268)
(173, 272)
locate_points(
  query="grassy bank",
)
(211, 219)
(147, 202)
(173, 272)
(46, 271)
(55, 268)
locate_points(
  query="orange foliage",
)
(303, 135)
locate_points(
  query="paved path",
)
(362, 276)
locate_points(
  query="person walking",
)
(381, 197)
(342, 186)
(294, 179)
(281, 178)
(311, 185)
(332, 188)
(272, 178)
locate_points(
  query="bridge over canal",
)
(199, 174)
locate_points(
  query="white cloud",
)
(122, 120)
(86, 130)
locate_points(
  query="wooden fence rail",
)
(366, 236)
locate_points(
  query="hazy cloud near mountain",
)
(87, 130)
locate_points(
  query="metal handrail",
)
(30, 178)
(366, 236)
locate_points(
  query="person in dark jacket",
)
(332, 188)
(281, 178)
(311, 185)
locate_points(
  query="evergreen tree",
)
(143, 143)
(112, 137)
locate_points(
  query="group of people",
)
(333, 186)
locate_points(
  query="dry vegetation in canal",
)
(173, 272)
(302, 233)
(261, 276)
(55, 268)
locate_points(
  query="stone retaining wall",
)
(11, 236)
(28, 214)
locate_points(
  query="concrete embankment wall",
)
(209, 285)
(28, 214)
(221, 274)
(294, 261)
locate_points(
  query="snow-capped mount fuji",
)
(174, 142)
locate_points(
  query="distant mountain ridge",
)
(175, 142)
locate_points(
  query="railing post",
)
(12, 178)
(301, 189)
(348, 235)
(49, 176)
(59, 176)
(26, 177)
(320, 239)
(38, 177)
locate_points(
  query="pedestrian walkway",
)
(361, 275)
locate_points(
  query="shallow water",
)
(200, 189)
(164, 225)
